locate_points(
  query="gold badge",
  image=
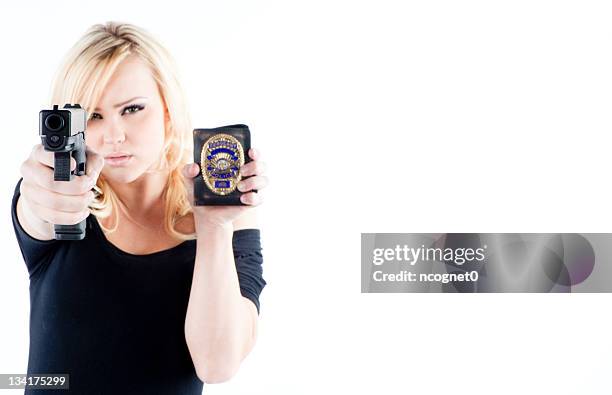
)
(221, 159)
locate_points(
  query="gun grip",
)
(61, 172)
(70, 232)
(61, 166)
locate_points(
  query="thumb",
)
(190, 170)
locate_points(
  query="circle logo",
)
(221, 158)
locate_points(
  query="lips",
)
(117, 155)
(117, 158)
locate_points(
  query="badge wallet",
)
(220, 152)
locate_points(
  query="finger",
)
(47, 157)
(55, 201)
(58, 217)
(251, 198)
(256, 182)
(254, 154)
(36, 172)
(256, 167)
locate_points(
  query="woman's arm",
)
(221, 324)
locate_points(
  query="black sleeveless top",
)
(113, 320)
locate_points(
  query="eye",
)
(133, 109)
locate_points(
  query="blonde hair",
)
(84, 74)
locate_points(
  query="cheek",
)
(148, 133)
(94, 138)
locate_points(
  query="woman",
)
(161, 295)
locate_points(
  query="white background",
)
(431, 116)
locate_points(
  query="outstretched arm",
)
(221, 324)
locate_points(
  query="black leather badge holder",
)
(220, 152)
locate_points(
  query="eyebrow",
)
(122, 103)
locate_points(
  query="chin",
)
(121, 175)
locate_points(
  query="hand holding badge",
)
(229, 173)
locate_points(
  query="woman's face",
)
(127, 126)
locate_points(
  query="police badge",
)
(220, 152)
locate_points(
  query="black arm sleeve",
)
(35, 252)
(247, 254)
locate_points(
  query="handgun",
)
(62, 131)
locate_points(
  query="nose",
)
(114, 135)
